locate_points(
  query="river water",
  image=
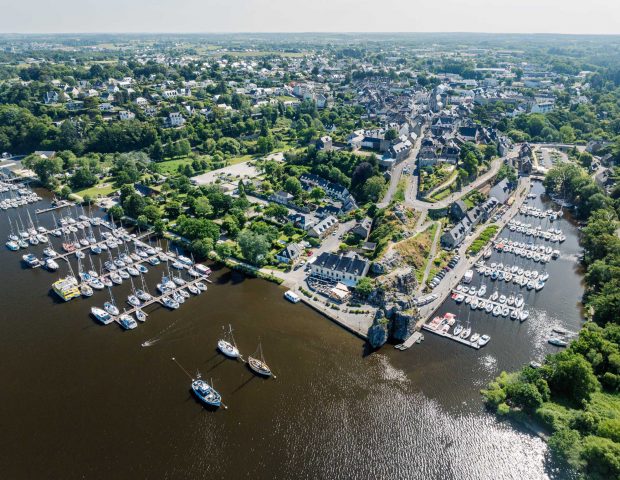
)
(81, 400)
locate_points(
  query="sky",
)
(215, 16)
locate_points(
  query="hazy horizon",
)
(596, 17)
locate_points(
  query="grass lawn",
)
(240, 159)
(170, 166)
(286, 98)
(102, 189)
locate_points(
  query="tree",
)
(364, 287)
(116, 212)
(231, 225)
(143, 222)
(572, 375)
(292, 185)
(317, 193)
(254, 246)
(159, 226)
(373, 188)
(202, 247)
(202, 207)
(391, 134)
(157, 151)
(173, 209)
(276, 210)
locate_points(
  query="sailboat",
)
(227, 345)
(110, 306)
(257, 363)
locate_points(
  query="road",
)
(411, 199)
(397, 172)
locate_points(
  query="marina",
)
(506, 277)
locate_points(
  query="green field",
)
(170, 167)
(98, 190)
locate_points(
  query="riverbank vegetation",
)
(483, 239)
(575, 394)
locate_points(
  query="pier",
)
(451, 337)
(58, 206)
(159, 299)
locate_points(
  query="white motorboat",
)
(101, 315)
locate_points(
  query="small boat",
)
(227, 345)
(558, 342)
(523, 315)
(123, 274)
(142, 269)
(257, 363)
(170, 303)
(201, 286)
(31, 260)
(193, 289)
(474, 338)
(466, 333)
(142, 295)
(127, 322)
(457, 330)
(206, 393)
(111, 308)
(488, 307)
(134, 301)
(482, 291)
(85, 290)
(140, 315)
(484, 339)
(519, 301)
(291, 296)
(101, 315)
(12, 245)
(51, 264)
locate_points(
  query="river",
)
(81, 400)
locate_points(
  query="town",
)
(372, 181)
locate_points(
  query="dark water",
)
(80, 400)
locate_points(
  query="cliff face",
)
(391, 323)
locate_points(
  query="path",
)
(431, 256)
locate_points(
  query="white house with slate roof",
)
(348, 269)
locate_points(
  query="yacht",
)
(111, 308)
(170, 303)
(291, 296)
(66, 288)
(484, 339)
(31, 260)
(474, 338)
(519, 301)
(142, 295)
(201, 286)
(206, 394)
(465, 333)
(12, 245)
(469, 274)
(85, 290)
(101, 315)
(193, 289)
(257, 363)
(140, 315)
(457, 330)
(227, 345)
(134, 301)
(127, 322)
(523, 315)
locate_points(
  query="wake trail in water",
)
(168, 330)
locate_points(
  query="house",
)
(175, 119)
(457, 210)
(141, 102)
(324, 227)
(324, 143)
(469, 134)
(455, 236)
(362, 229)
(126, 115)
(327, 210)
(400, 150)
(74, 105)
(303, 221)
(501, 191)
(289, 254)
(281, 197)
(45, 153)
(348, 269)
(524, 160)
(50, 97)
